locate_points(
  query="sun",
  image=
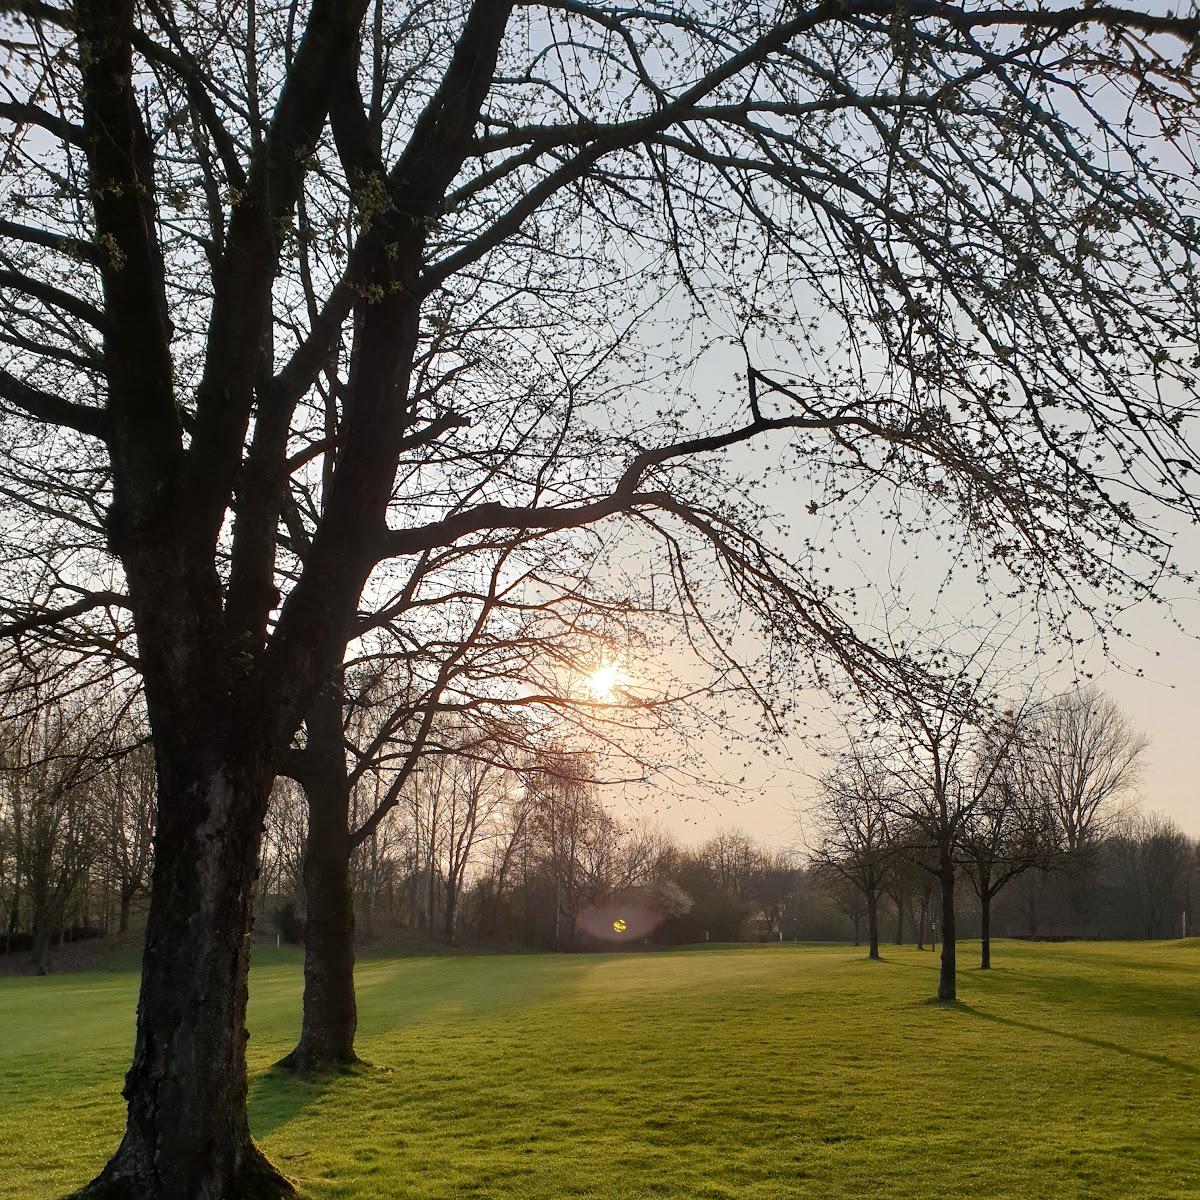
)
(602, 683)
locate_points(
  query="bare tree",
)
(941, 751)
(1090, 759)
(54, 751)
(846, 895)
(856, 844)
(562, 821)
(1148, 859)
(127, 793)
(220, 224)
(478, 791)
(285, 832)
(1009, 829)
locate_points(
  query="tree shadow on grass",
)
(1083, 1039)
(278, 1096)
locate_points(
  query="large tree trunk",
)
(330, 1014)
(187, 1136)
(946, 977)
(330, 1017)
(123, 920)
(873, 923)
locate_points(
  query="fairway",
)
(774, 1071)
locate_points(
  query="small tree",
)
(1008, 830)
(856, 842)
(941, 749)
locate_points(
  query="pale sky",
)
(1163, 702)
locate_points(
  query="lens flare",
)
(626, 918)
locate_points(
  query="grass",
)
(747, 1072)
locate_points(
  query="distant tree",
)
(733, 862)
(776, 887)
(54, 751)
(126, 795)
(846, 895)
(856, 844)
(908, 888)
(285, 833)
(1148, 859)
(1008, 830)
(1090, 759)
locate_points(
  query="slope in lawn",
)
(1069, 1071)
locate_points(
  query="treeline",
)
(1030, 814)
(489, 846)
(489, 855)
(77, 795)
(1141, 881)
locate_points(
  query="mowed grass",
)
(747, 1072)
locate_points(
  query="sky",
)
(1153, 674)
(1163, 703)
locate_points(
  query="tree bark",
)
(873, 924)
(123, 919)
(330, 1018)
(946, 976)
(900, 921)
(187, 1135)
(985, 927)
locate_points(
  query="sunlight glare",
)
(603, 681)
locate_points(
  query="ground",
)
(742, 1072)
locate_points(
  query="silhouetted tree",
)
(856, 843)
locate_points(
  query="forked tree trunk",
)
(330, 1018)
(946, 977)
(873, 923)
(187, 1135)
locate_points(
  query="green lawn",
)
(748, 1072)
